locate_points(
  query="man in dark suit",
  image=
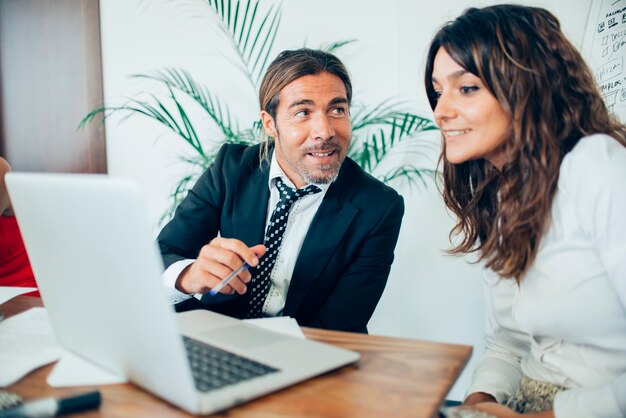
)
(321, 253)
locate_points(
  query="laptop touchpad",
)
(243, 337)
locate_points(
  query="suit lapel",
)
(250, 204)
(329, 225)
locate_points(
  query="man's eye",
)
(339, 110)
(468, 89)
(302, 113)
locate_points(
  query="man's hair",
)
(543, 84)
(291, 65)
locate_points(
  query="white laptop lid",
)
(92, 253)
(80, 263)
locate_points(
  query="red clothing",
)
(14, 265)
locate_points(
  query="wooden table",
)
(395, 377)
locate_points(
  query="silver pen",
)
(228, 278)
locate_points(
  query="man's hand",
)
(217, 260)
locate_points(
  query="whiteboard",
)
(604, 49)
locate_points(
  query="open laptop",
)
(99, 273)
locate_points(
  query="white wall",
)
(429, 295)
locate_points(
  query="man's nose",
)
(322, 127)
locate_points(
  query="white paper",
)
(73, 370)
(7, 292)
(283, 324)
(26, 343)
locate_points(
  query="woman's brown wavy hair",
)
(543, 83)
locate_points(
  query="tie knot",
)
(287, 194)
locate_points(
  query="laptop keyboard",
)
(213, 368)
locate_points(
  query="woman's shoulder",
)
(595, 158)
(592, 179)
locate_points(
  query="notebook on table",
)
(99, 274)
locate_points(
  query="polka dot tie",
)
(261, 281)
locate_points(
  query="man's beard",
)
(330, 171)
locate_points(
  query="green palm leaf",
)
(333, 47)
(251, 33)
(410, 173)
(182, 81)
(387, 113)
(394, 129)
(250, 30)
(156, 110)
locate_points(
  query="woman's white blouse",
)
(566, 321)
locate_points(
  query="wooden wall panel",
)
(50, 78)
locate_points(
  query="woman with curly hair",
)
(534, 168)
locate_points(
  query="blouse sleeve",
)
(498, 372)
(596, 177)
(606, 401)
(598, 192)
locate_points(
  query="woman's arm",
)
(5, 203)
(498, 372)
(501, 411)
(596, 187)
(478, 397)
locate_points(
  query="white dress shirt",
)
(566, 321)
(300, 218)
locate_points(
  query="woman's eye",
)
(437, 94)
(468, 89)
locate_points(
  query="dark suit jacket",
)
(344, 262)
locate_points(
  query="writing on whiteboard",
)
(604, 48)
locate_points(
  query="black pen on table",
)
(52, 407)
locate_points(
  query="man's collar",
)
(276, 171)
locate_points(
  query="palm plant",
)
(250, 33)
